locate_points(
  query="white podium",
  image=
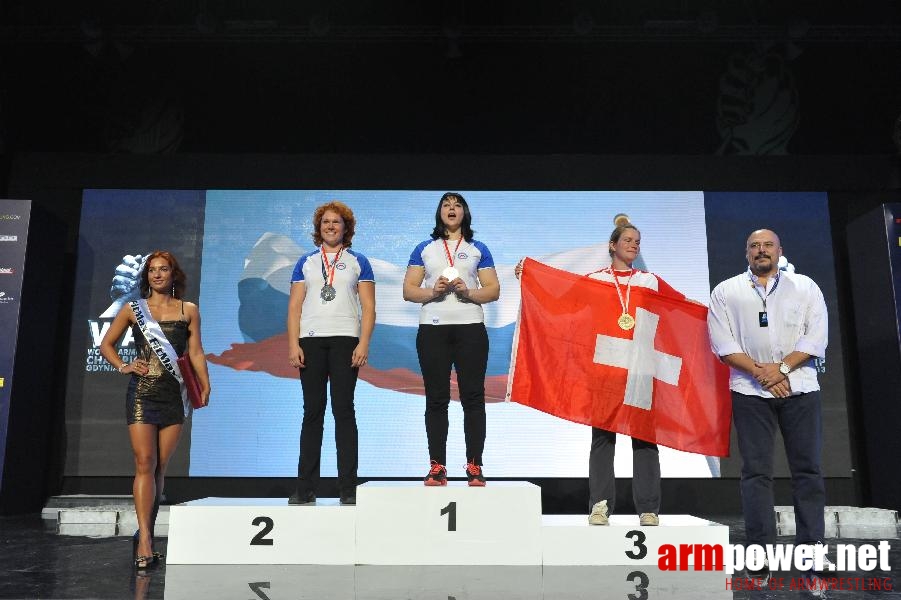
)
(407, 523)
(260, 531)
(570, 540)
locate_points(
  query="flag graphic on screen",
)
(263, 292)
(393, 363)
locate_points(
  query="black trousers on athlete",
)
(465, 348)
(327, 360)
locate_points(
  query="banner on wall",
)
(14, 218)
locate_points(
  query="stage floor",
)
(36, 562)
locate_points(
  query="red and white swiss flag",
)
(658, 382)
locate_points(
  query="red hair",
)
(346, 215)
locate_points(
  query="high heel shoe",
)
(141, 563)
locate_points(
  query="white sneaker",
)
(648, 520)
(598, 514)
(828, 565)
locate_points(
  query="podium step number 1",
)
(407, 523)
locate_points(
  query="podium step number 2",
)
(261, 531)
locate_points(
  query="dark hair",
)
(440, 232)
(346, 215)
(618, 232)
(179, 279)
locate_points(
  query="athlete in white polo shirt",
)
(331, 315)
(452, 275)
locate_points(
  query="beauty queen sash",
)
(160, 345)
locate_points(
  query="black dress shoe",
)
(348, 500)
(301, 499)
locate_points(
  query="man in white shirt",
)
(768, 326)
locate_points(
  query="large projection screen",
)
(239, 248)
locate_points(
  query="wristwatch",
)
(784, 368)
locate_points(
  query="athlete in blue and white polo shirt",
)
(331, 315)
(452, 275)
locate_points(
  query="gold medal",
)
(625, 320)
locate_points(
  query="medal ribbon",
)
(330, 277)
(625, 305)
(447, 252)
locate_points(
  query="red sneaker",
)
(474, 474)
(437, 474)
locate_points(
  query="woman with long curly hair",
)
(163, 325)
(331, 315)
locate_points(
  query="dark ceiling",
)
(702, 77)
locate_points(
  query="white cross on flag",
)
(658, 382)
(641, 361)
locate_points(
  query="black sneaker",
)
(302, 499)
(437, 474)
(762, 573)
(474, 474)
(348, 499)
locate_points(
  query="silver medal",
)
(450, 273)
(327, 293)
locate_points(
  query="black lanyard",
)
(763, 317)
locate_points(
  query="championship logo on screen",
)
(9, 238)
(124, 288)
(6, 298)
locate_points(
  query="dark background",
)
(743, 96)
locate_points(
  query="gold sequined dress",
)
(155, 398)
